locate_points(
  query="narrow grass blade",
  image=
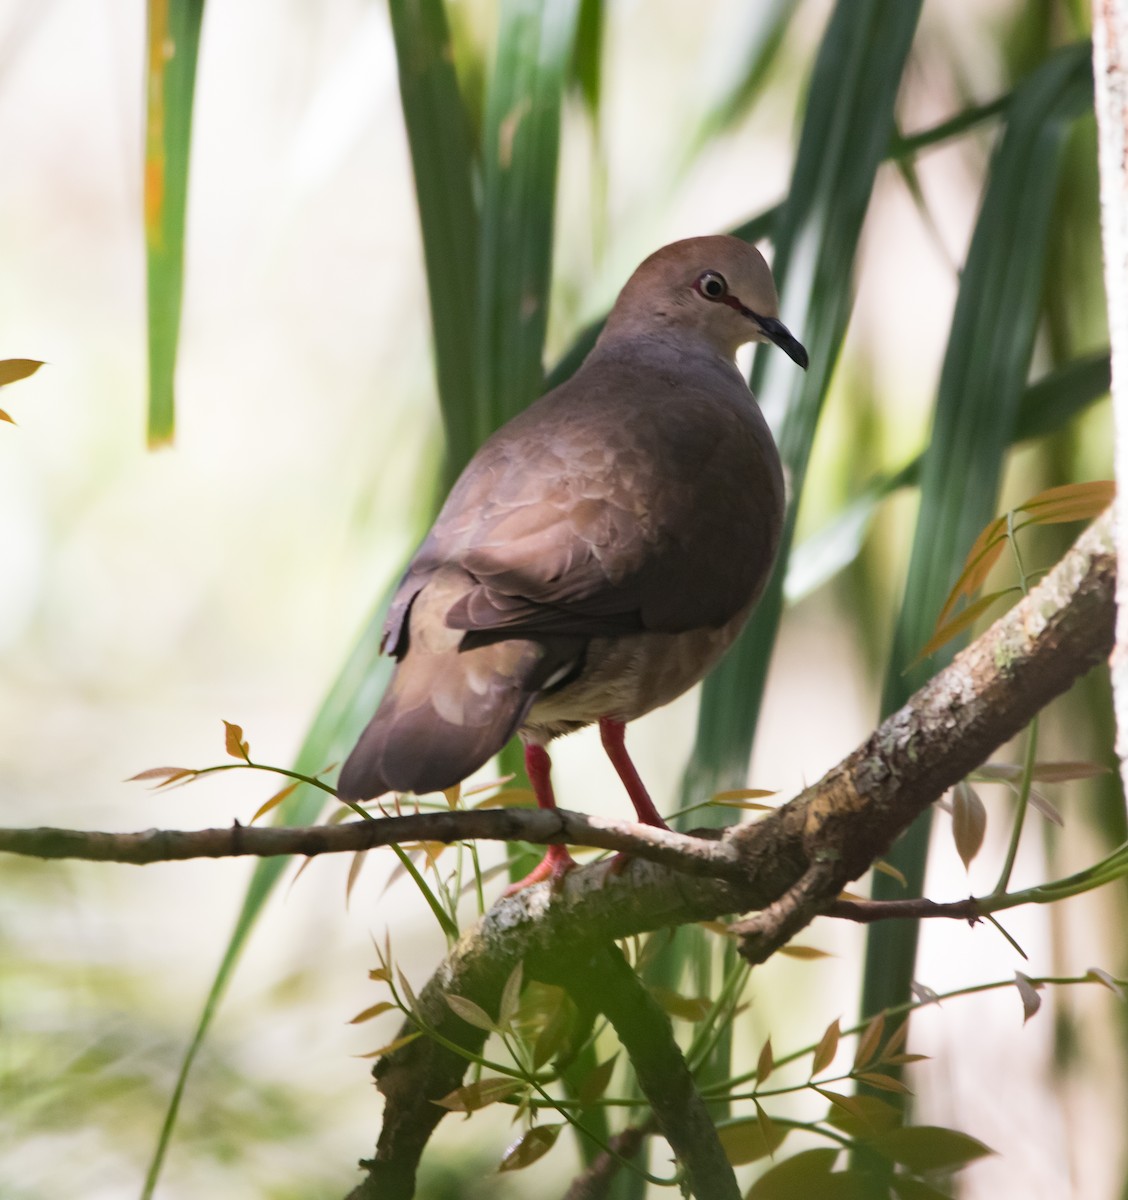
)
(519, 159)
(174, 36)
(440, 139)
(981, 383)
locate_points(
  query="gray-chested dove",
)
(601, 550)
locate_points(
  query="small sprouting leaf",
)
(773, 1135)
(969, 822)
(510, 997)
(530, 1146)
(893, 872)
(924, 994)
(374, 1011)
(688, 1008)
(743, 798)
(1028, 990)
(478, 1095)
(358, 860)
(6, 417)
(964, 619)
(1062, 772)
(392, 1047)
(1044, 808)
(234, 743)
(929, 1147)
(745, 1139)
(405, 987)
(870, 1115)
(803, 1174)
(883, 1082)
(14, 369)
(766, 1063)
(804, 953)
(380, 975)
(274, 800)
(897, 1039)
(869, 1042)
(166, 775)
(470, 1012)
(1069, 502)
(595, 1082)
(827, 1048)
(1104, 977)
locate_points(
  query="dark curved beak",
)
(778, 333)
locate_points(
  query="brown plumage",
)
(601, 551)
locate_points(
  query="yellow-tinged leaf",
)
(1102, 976)
(773, 1135)
(392, 1047)
(902, 1060)
(432, 850)
(827, 1048)
(1070, 502)
(13, 369)
(961, 621)
(486, 1091)
(5, 417)
(883, 1082)
(405, 987)
(510, 996)
(234, 743)
(805, 953)
(744, 805)
(892, 871)
(380, 975)
(745, 1140)
(1028, 990)
(529, 1147)
(766, 1062)
(982, 556)
(733, 795)
(969, 822)
(487, 785)
(869, 1042)
(274, 801)
(452, 795)
(594, 1084)
(689, 1008)
(557, 1030)
(510, 798)
(373, 1011)
(471, 1013)
(718, 927)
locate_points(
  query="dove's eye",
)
(711, 285)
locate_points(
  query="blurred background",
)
(145, 596)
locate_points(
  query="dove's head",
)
(718, 290)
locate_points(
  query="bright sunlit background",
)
(145, 597)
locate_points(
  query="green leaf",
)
(173, 42)
(803, 1174)
(928, 1147)
(481, 1094)
(440, 140)
(827, 1048)
(868, 1115)
(745, 1140)
(530, 1146)
(471, 1013)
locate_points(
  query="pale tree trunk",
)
(1110, 75)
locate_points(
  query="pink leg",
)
(557, 862)
(613, 734)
